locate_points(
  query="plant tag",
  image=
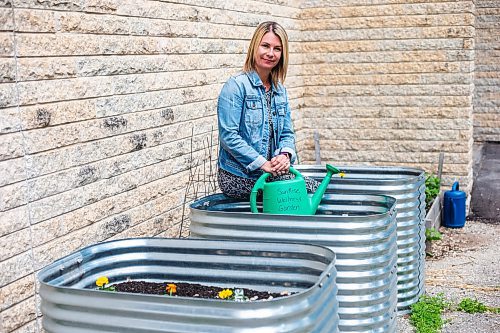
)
(239, 295)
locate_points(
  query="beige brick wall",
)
(99, 100)
(106, 105)
(391, 84)
(487, 73)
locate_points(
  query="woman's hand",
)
(267, 167)
(280, 164)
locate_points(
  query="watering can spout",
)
(318, 195)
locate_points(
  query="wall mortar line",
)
(26, 166)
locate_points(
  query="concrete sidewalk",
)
(469, 258)
(466, 265)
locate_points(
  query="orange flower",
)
(171, 288)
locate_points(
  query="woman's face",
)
(268, 53)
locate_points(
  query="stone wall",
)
(487, 72)
(108, 106)
(389, 83)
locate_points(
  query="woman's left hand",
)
(280, 164)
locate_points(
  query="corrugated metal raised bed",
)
(70, 304)
(407, 185)
(360, 229)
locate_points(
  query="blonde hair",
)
(278, 73)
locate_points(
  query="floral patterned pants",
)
(240, 188)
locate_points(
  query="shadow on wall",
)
(485, 201)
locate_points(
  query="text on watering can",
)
(288, 198)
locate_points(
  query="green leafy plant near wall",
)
(432, 187)
(432, 234)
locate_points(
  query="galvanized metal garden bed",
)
(70, 303)
(407, 185)
(360, 229)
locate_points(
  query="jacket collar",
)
(257, 82)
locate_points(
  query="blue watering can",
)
(454, 207)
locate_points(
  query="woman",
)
(255, 126)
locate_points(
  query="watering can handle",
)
(453, 210)
(259, 185)
(454, 187)
(297, 174)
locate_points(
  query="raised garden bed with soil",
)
(192, 290)
(70, 301)
(360, 229)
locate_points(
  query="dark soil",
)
(189, 290)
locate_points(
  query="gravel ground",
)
(465, 263)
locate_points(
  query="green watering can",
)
(289, 196)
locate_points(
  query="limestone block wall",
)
(108, 106)
(389, 82)
(487, 73)
(105, 106)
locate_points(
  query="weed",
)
(426, 313)
(474, 306)
(432, 234)
(471, 306)
(432, 187)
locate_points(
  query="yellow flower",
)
(102, 281)
(342, 174)
(171, 288)
(226, 293)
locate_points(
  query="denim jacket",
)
(244, 127)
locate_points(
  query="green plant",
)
(471, 306)
(474, 306)
(426, 313)
(432, 187)
(432, 234)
